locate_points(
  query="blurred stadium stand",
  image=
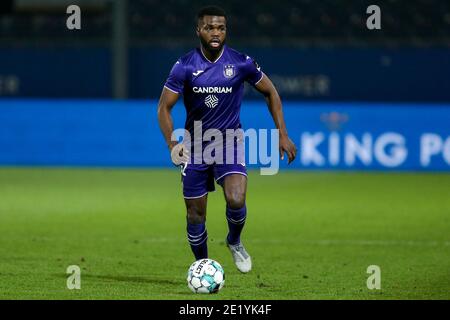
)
(261, 23)
(6, 7)
(315, 50)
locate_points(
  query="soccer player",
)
(211, 79)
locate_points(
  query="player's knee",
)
(196, 215)
(235, 200)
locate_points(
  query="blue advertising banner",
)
(55, 72)
(344, 136)
(319, 74)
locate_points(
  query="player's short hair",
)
(211, 11)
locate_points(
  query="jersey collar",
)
(220, 56)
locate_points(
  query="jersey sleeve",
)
(175, 81)
(253, 71)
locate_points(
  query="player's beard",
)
(211, 49)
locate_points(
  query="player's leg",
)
(232, 176)
(196, 226)
(198, 180)
(235, 188)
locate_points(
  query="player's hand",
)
(179, 154)
(286, 145)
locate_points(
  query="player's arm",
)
(166, 103)
(266, 87)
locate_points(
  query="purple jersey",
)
(213, 91)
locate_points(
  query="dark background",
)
(313, 50)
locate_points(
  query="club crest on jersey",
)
(229, 71)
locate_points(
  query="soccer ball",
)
(205, 276)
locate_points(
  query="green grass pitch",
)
(312, 235)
